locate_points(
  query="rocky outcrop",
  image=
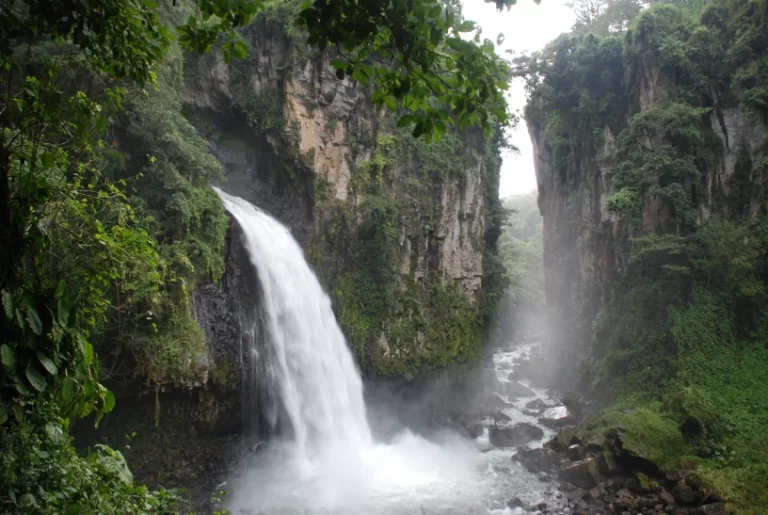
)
(578, 156)
(313, 151)
(602, 481)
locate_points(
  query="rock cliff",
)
(628, 144)
(395, 228)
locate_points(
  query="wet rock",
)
(500, 417)
(597, 443)
(685, 495)
(644, 482)
(565, 438)
(541, 506)
(539, 459)
(595, 494)
(566, 487)
(584, 473)
(607, 463)
(512, 436)
(488, 404)
(536, 405)
(625, 500)
(474, 429)
(575, 452)
(556, 417)
(667, 498)
(544, 478)
(516, 389)
(515, 503)
(710, 509)
(515, 375)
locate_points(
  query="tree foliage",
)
(687, 322)
(101, 244)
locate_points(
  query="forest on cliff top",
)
(682, 337)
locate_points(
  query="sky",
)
(526, 27)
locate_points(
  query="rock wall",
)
(578, 128)
(312, 150)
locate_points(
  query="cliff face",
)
(629, 143)
(395, 228)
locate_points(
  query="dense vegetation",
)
(106, 220)
(403, 323)
(687, 339)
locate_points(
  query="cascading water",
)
(328, 462)
(318, 385)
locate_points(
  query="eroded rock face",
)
(586, 247)
(306, 147)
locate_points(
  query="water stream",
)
(326, 461)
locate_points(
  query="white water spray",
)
(319, 386)
(331, 466)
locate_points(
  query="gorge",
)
(262, 267)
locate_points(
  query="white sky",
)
(526, 27)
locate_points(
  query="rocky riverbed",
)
(599, 475)
(519, 450)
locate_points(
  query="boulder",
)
(596, 494)
(667, 498)
(625, 500)
(538, 460)
(474, 429)
(686, 495)
(597, 443)
(585, 473)
(515, 389)
(575, 452)
(608, 464)
(694, 481)
(565, 438)
(556, 417)
(515, 502)
(488, 404)
(717, 508)
(512, 436)
(536, 405)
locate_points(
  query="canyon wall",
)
(631, 140)
(397, 229)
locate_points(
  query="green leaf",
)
(405, 120)
(68, 391)
(63, 309)
(89, 388)
(3, 414)
(418, 129)
(47, 363)
(338, 64)
(8, 303)
(7, 356)
(47, 159)
(109, 401)
(87, 353)
(34, 320)
(35, 378)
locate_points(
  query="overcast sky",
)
(526, 26)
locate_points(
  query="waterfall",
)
(317, 384)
